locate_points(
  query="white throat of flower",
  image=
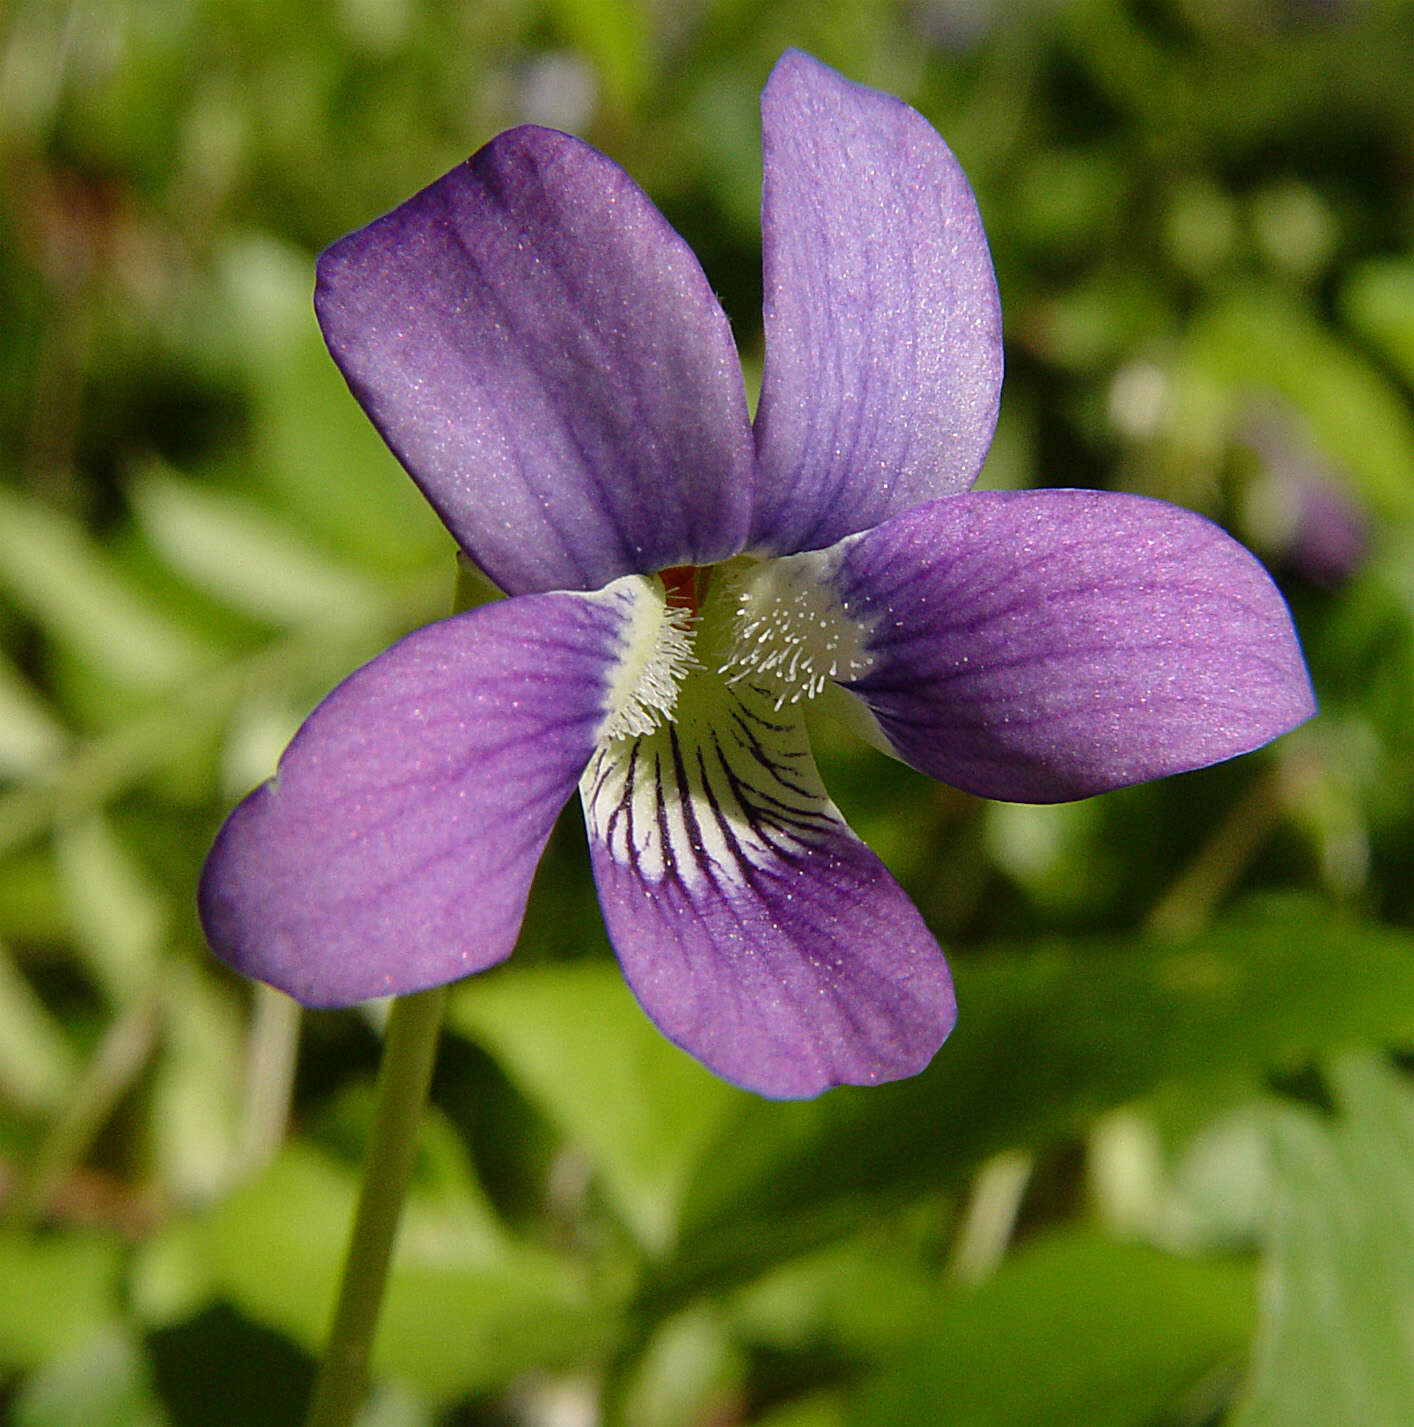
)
(775, 625)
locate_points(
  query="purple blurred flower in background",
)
(1298, 507)
(545, 356)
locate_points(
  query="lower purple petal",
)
(394, 848)
(1044, 645)
(755, 929)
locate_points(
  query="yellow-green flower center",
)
(775, 626)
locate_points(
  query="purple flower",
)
(545, 356)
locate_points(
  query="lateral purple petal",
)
(1038, 646)
(756, 930)
(394, 848)
(544, 355)
(883, 326)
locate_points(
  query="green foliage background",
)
(1163, 1173)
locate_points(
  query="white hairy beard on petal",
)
(655, 656)
(789, 631)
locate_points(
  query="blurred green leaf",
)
(58, 1289)
(81, 597)
(686, 1373)
(30, 902)
(117, 1059)
(614, 37)
(1097, 321)
(1257, 344)
(467, 1306)
(30, 734)
(575, 1041)
(1046, 1039)
(144, 747)
(1066, 198)
(391, 1404)
(104, 1382)
(198, 1082)
(229, 547)
(1378, 301)
(37, 1061)
(862, 1296)
(818, 1410)
(1074, 1329)
(119, 918)
(1336, 1342)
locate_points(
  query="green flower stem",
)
(409, 1048)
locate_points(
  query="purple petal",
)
(394, 848)
(883, 328)
(756, 930)
(1044, 645)
(544, 355)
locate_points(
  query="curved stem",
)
(409, 1048)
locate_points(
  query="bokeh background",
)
(1163, 1173)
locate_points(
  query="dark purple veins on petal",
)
(756, 930)
(1044, 645)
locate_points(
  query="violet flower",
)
(545, 356)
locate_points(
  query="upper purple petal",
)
(544, 355)
(394, 848)
(883, 327)
(755, 929)
(1043, 645)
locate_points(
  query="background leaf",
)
(1031, 1058)
(1076, 1329)
(1336, 1342)
(1185, 1007)
(577, 1043)
(58, 1291)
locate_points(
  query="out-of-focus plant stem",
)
(1217, 866)
(270, 1071)
(119, 1058)
(409, 1049)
